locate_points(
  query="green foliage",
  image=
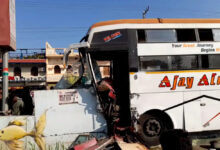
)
(58, 146)
(32, 146)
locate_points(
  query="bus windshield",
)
(75, 75)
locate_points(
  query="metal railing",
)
(34, 53)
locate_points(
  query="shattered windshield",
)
(75, 75)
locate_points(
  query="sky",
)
(63, 22)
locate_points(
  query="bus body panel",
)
(192, 112)
(210, 110)
(145, 102)
(170, 90)
(174, 81)
(188, 48)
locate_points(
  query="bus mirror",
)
(65, 56)
(72, 47)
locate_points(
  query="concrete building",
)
(54, 64)
(42, 68)
(26, 68)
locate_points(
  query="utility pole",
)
(7, 41)
(145, 12)
(4, 78)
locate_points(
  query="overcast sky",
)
(63, 22)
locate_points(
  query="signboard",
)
(7, 25)
(109, 38)
(68, 97)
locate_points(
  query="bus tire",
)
(151, 126)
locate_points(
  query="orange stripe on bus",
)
(182, 71)
(151, 21)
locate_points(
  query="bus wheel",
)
(151, 127)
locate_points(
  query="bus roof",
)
(153, 21)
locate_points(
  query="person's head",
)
(15, 99)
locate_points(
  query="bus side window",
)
(213, 61)
(216, 34)
(185, 62)
(186, 35)
(141, 36)
(205, 35)
(154, 63)
(161, 35)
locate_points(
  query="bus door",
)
(119, 78)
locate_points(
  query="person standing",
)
(17, 106)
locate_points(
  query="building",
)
(42, 68)
(26, 69)
(54, 64)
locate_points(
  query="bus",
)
(165, 73)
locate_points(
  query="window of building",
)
(34, 71)
(186, 35)
(69, 68)
(17, 71)
(205, 35)
(161, 35)
(216, 34)
(57, 69)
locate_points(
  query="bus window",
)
(141, 36)
(184, 62)
(211, 61)
(205, 35)
(154, 63)
(216, 34)
(96, 69)
(186, 35)
(104, 67)
(161, 36)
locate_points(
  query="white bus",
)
(165, 72)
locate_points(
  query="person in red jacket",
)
(108, 98)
